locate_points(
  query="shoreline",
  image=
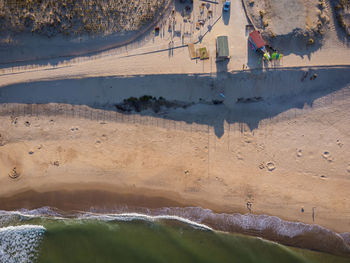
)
(272, 228)
(52, 222)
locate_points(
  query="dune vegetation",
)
(70, 17)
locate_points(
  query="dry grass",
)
(341, 21)
(322, 4)
(49, 17)
(343, 3)
(341, 7)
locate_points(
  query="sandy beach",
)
(263, 140)
(232, 153)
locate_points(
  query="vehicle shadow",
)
(221, 65)
(226, 17)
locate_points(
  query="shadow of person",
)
(219, 128)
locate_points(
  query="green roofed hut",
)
(222, 51)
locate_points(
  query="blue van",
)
(227, 6)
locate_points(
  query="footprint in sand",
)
(14, 174)
(14, 120)
(103, 138)
(339, 143)
(326, 155)
(299, 153)
(239, 156)
(270, 166)
(249, 206)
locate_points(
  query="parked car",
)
(227, 5)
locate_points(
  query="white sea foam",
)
(271, 227)
(8, 217)
(19, 244)
(137, 216)
(245, 222)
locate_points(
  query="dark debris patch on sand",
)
(147, 102)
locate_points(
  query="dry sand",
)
(286, 17)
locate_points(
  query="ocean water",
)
(49, 236)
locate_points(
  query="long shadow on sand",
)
(249, 96)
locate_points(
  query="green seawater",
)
(92, 241)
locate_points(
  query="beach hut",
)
(256, 42)
(222, 51)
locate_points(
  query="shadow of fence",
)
(283, 94)
(227, 121)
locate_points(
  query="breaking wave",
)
(269, 227)
(19, 244)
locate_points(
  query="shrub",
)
(310, 41)
(342, 3)
(131, 100)
(265, 23)
(341, 21)
(145, 98)
(322, 4)
(262, 13)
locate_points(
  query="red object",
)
(256, 37)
